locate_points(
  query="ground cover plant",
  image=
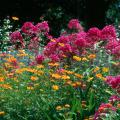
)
(73, 77)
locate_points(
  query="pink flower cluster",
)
(114, 82)
(103, 110)
(30, 29)
(114, 98)
(67, 44)
(77, 43)
(17, 39)
(74, 24)
(32, 33)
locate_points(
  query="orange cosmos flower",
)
(15, 18)
(55, 87)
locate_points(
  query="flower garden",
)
(75, 76)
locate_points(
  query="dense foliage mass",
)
(74, 77)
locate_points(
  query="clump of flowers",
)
(114, 82)
(17, 39)
(75, 25)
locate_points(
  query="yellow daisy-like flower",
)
(105, 69)
(78, 75)
(58, 108)
(92, 56)
(56, 76)
(61, 44)
(84, 59)
(77, 58)
(99, 76)
(67, 105)
(40, 66)
(65, 77)
(30, 88)
(52, 40)
(53, 64)
(89, 79)
(55, 87)
(2, 113)
(34, 78)
(96, 69)
(15, 18)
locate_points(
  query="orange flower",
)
(1, 79)
(92, 56)
(56, 76)
(2, 113)
(84, 59)
(78, 75)
(96, 69)
(30, 88)
(99, 75)
(65, 77)
(77, 58)
(58, 108)
(55, 87)
(34, 78)
(15, 18)
(67, 105)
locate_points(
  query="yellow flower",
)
(77, 58)
(103, 78)
(15, 18)
(84, 59)
(105, 69)
(92, 56)
(78, 83)
(56, 76)
(90, 78)
(67, 105)
(30, 88)
(96, 69)
(61, 44)
(40, 66)
(40, 72)
(69, 72)
(65, 77)
(58, 108)
(6, 86)
(66, 66)
(99, 76)
(53, 64)
(2, 113)
(78, 75)
(34, 78)
(55, 87)
(52, 40)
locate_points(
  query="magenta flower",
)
(43, 27)
(63, 39)
(39, 59)
(108, 33)
(54, 58)
(17, 39)
(74, 24)
(93, 35)
(27, 28)
(114, 98)
(114, 82)
(116, 51)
